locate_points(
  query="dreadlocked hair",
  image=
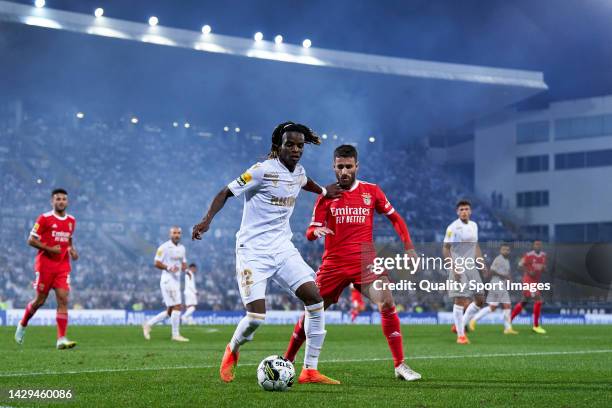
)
(277, 136)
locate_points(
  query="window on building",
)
(531, 164)
(533, 132)
(527, 199)
(580, 160)
(583, 127)
(588, 232)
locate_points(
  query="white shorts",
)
(171, 292)
(466, 277)
(191, 298)
(495, 297)
(253, 271)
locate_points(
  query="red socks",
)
(27, 315)
(390, 327)
(393, 332)
(516, 311)
(297, 339)
(537, 308)
(62, 323)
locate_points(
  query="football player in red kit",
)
(52, 236)
(346, 223)
(357, 303)
(533, 264)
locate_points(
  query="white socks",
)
(175, 320)
(471, 310)
(160, 317)
(507, 322)
(189, 312)
(314, 326)
(482, 313)
(245, 329)
(458, 317)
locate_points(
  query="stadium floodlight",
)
(206, 29)
(258, 36)
(80, 115)
(324, 136)
(134, 120)
(372, 139)
(237, 130)
(153, 21)
(335, 137)
(307, 43)
(38, 181)
(226, 128)
(174, 124)
(99, 12)
(39, 3)
(187, 125)
(278, 39)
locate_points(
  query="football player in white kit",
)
(264, 249)
(171, 259)
(500, 269)
(191, 294)
(461, 245)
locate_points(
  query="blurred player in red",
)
(533, 264)
(347, 225)
(357, 304)
(52, 236)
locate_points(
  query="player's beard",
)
(346, 184)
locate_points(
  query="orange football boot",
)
(312, 375)
(228, 365)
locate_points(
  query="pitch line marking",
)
(362, 360)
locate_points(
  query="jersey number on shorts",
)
(247, 281)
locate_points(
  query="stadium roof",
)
(455, 93)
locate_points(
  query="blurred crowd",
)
(128, 183)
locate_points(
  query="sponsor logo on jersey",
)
(244, 179)
(54, 226)
(449, 233)
(70, 226)
(159, 252)
(367, 198)
(283, 201)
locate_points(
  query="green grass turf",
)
(162, 373)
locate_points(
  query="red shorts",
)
(332, 281)
(45, 281)
(357, 299)
(530, 295)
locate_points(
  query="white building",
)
(553, 168)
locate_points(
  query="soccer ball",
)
(275, 373)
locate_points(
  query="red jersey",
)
(53, 230)
(534, 263)
(351, 217)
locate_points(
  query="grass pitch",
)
(115, 367)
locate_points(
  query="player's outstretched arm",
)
(216, 206)
(331, 191)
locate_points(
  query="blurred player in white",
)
(171, 259)
(264, 250)
(461, 245)
(500, 270)
(191, 294)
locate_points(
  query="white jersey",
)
(500, 265)
(270, 191)
(171, 255)
(190, 285)
(463, 237)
